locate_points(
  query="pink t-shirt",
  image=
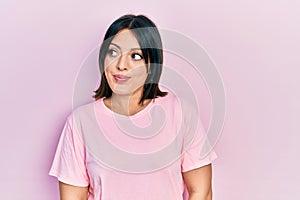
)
(131, 157)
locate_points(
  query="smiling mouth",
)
(121, 78)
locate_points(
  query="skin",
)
(125, 58)
(198, 182)
(70, 192)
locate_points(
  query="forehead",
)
(126, 40)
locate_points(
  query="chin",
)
(126, 91)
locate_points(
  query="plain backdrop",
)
(254, 44)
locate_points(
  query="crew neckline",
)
(102, 105)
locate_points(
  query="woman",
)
(148, 163)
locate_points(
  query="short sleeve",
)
(196, 152)
(69, 161)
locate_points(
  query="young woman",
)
(107, 150)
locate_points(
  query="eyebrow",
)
(132, 49)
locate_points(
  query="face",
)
(125, 67)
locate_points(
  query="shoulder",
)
(187, 108)
(169, 99)
(82, 111)
(180, 102)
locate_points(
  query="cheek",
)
(108, 69)
(109, 63)
(107, 73)
(106, 64)
(140, 75)
(139, 70)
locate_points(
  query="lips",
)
(121, 78)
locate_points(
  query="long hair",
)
(150, 42)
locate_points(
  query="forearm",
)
(199, 196)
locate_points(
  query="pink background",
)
(254, 44)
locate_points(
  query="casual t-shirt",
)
(131, 157)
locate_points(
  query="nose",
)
(122, 63)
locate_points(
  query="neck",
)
(126, 104)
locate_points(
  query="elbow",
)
(209, 195)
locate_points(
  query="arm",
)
(198, 182)
(70, 192)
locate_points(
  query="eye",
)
(137, 56)
(112, 53)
